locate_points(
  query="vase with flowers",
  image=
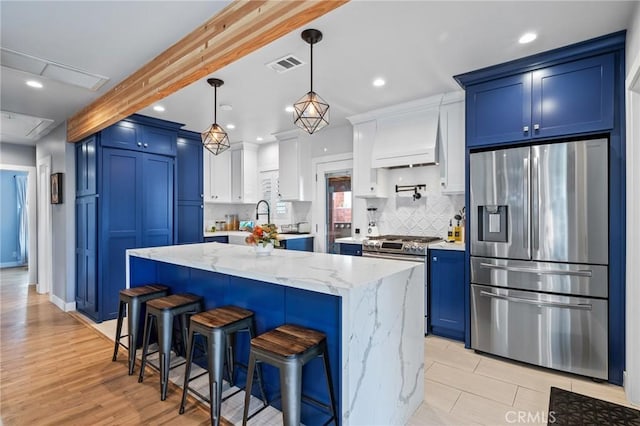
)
(264, 238)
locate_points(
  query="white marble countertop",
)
(244, 234)
(443, 245)
(320, 272)
(350, 240)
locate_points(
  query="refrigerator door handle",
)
(581, 306)
(535, 203)
(526, 216)
(578, 273)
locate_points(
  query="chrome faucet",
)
(268, 211)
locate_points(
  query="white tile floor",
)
(461, 388)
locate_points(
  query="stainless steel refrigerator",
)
(539, 255)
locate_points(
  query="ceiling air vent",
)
(286, 63)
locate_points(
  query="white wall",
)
(632, 380)
(63, 215)
(17, 155)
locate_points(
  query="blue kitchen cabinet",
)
(86, 166)
(218, 239)
(351, 249)
(86, 255)
(446, 299)
(299, 244)
(125, 199)
(569, 98)
(189, 217)
(140, 133)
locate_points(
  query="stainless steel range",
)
(403, 247)
(400, 247)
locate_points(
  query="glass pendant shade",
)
(215, 139)
(311, 112)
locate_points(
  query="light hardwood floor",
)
(57, 369)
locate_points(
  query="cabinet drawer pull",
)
(145, 145)
(536, 127)
(525, 129)
(139, 143)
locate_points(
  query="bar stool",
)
(135, 297)
(289, 347)
(163, 310)
(218, 326)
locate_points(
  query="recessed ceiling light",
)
(289, 108)
(379, 82)
(231, 126)
(259, 139)
(527, 38)
(35, 84)
(225, 107)
(158, 108)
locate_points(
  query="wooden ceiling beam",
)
(239, 29)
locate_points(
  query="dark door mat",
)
(570, 408)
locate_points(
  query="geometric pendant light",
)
(215, 139)
(311, 112)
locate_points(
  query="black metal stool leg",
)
(165, 333)
(327, 372)
(132, 323)
(187, 370)
(247, 390)
(118, 330)
(148, 323)
(252, 334)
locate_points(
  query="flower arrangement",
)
(263, 234)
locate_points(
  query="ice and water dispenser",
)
(492, 223)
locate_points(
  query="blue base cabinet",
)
(446, 298)
(568, 98)
(220, 239)
(125, 198)
(299, 244)
(351, 249)
(189, 217)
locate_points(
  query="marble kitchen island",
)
(371, 310)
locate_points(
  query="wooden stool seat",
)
(145, 290)
(219, 327)
(164, 310)
(173, 301)
(288, 340)
(135, 297)
(220, 317)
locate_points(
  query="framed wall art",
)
(56, 188)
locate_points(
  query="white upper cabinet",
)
(295, 167)
(244, 173)
(368, 182)
(452, 140)
(217, 177)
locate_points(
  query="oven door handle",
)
(581, 306)
(404, 257)
(579, 273)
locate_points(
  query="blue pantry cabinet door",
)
(189, 169)
(190, 228)
(86, 166)
(574, 97)
(157, 200)
(159, 141)
(121, 226)
(447, 293)
(499, 110)
(86, 255)
(123, 135)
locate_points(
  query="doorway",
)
(338, 204)
(332, 201)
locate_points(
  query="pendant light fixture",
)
(311, 112)
(215, 139)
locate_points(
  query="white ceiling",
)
(417, 46)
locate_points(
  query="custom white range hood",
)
(410, 138)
